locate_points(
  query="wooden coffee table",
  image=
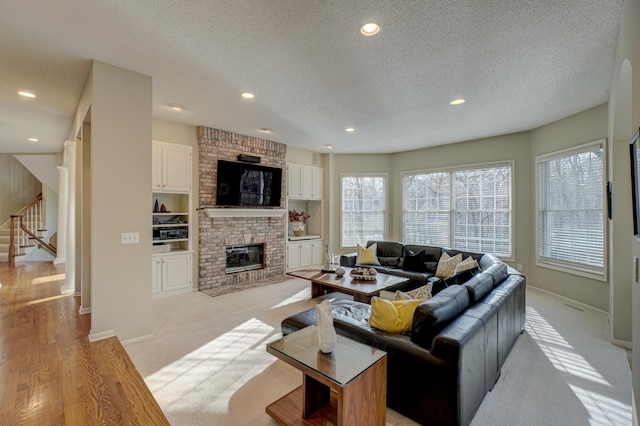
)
(361, 290)
(345, 387)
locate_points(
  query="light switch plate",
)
(129, 238)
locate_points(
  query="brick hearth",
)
(218, 233)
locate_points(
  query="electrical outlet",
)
(129, 238)
(519, 267)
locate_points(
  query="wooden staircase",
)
(23, 233)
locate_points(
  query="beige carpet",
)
(207, 363)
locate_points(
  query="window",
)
(364, 203)
(570, 210)
(466, 209)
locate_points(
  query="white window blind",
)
(427, 205)
(570, 222)
(363, 209)
(466, 209)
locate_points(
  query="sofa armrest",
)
(348, 260)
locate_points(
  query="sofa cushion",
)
(367, 256)
(393, 316)
(433, 315)
(447, 265)
(417, 278)
(457, 279)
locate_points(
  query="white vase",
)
(298, 228)
(326, 331)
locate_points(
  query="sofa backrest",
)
(478, 286)
(432, 316)
(388, 252)
(494, 267)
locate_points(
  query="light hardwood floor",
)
(49, 372)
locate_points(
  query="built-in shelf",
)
(245, 212)
(304, 237)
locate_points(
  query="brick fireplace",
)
(220, 228)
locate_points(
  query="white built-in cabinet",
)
(304, 182)
(304, 193)
(304, 253)
(172, 272)
(172, 165)
(172, 260)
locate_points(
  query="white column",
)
(63, 183)
(70, 249)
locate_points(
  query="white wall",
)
(18, 187)
(578, 129)
(514, 147)
(120, 103)
(520, 148)
(624, 120)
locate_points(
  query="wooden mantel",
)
(223, 212)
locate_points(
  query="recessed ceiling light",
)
(266, 130)
(458, 101)
(329, 146)
(247, 95)
(369, 29)
(33, 140)
(349, 129)
(176, 107)
(26, 94)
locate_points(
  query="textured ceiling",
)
(519, 63)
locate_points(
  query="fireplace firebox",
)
(244, 258)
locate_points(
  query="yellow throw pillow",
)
(392, 316)
(447, 265)
(468, 263)
(367, 256)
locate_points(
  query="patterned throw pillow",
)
(367, 256)
(420, 293)
(447, 265)
(468, 263)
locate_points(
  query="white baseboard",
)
(94, 337)
(84, 311)
(624, 343)
(634, 409)
(137, 339)
(572, 301)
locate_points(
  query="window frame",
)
(565, 266)
(462, 168)
(385, 177)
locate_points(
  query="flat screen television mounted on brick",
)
(248, 185)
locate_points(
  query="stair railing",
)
(25, 225)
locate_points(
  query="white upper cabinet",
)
(316, 187)
(171, 164)
(304, 182)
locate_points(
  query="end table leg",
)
(315, 396)
(316, 289)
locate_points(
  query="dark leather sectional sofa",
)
(439, 373)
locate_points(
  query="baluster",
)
(19, 234)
